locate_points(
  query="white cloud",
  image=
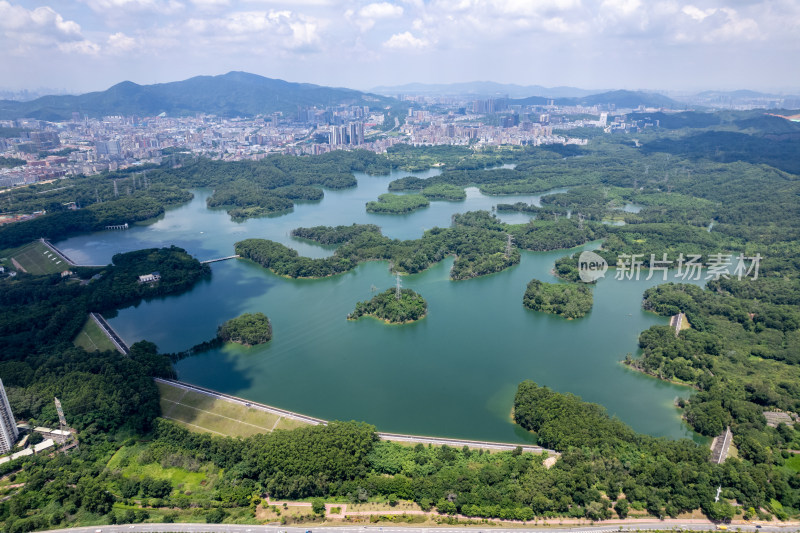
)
(207, 4)
(80, 47)
(734, 28)
(621, 7)
(117, 8)
(120, 42)
(154, 40)
(716, 25)
(696, 13)
(528, 8)
(405, 40)
(18, 19)
(366, 17)
(28, 31)
(380, 10)
(256, 30)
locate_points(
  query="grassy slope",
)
(92, 339)
(203, 413)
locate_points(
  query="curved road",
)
(684, 525)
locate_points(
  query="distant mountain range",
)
(483, 89)
(242, 94)
(721, 99)
(619, 99)
(534, 94)
(232, 94)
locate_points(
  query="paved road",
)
(230, 528)
(112, 335)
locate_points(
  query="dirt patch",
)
(17, 265)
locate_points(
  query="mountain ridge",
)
(233, 94)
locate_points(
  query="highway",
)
(668, 525)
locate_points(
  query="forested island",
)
(570, 300)
(397, 204)
(248, 329)
(444, 191)
(386, 306)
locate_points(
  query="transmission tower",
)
(398, 285)
(509, 241)
(62, 423)
(61, 420)
(116, 190)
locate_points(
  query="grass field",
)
(127, 462)
(203, 413)
(793, 463)
(92, 339)
(34, 258)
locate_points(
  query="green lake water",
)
(452, 374)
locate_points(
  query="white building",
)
(8, 426)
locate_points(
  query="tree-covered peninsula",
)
(570, 300)
(444, 191)
(386, 306)
(248, 329)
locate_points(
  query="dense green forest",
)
(40, 316)
(701, 191)
(334, 235)
(248, 329)
(444, 191)
(257, 188)
(570, 300)
(60, 223)
(387, 307)
(604, 470)
(742, 353)
(244, 188)
(477, 240)
(397, 204)
(665, 477)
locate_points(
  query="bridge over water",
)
(220, 259)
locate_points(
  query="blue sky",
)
(82, 45)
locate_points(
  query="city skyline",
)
(88, 45)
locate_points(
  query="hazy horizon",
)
(45, 91)
(669, 45)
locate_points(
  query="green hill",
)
(231, 94)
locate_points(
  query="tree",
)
(216, 516)
(622, 507)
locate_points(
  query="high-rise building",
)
(356, 133)
(8, 426)
(109, 148)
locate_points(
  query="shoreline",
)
(386, 320)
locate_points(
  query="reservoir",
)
(452, 374)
